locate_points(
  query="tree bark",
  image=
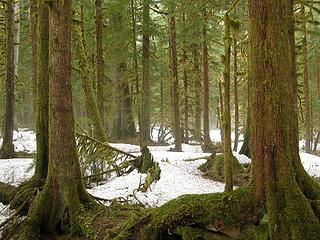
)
(278, 176)
(227, 152)
(100, 64)
(34, 39)
(236, 97)
(175, 84)
(57, 209)
(145, 98)
(198, 90)
(306, 84)
(42, 113)
(7, 149)
(205, 63)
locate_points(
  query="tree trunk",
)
(205, 62)
(16, 36)
(57, 209)
(124, 127)
(145, 98)
(33, 35)
(7, 149)
(278, 176)
(185, 87)
(88, 84)
(227, 152)
(42, 113)
(236, 97)
(175, 84)
(197, 90)
(100, 65)
(186, 97)
(136, 70)
(306, 84)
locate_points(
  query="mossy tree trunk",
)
(136, 69)
(87, 83)
(185, 87)
(175, 82)
(278, 176)
(42, 112)
(100, 64)
(307, 119)
(34, 39)
(57, 208)
(7, 149)
(198, 89)
(145, 95)
(227, 151)
(236, 94)
(205, 69)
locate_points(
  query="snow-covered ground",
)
(178, 177)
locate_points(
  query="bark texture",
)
(227, 152)
(205, 69)
(7, 149)
(42, 112)
(175, 84)
(278, 175)
(145, 98)
(57, 209)
(100, 72)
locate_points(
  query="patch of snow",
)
(15, 171)
(243, 159)
(177, 178)
(311, 164)
(24, 140)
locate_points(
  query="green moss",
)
(214, 168)
(207, 210)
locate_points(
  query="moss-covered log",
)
(223, 213)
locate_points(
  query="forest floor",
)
(178, 177)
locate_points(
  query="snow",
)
(178, 177)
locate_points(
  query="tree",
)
(175, 82)
(145, 98)
(281, 188)
(57, 208)
(205, 62)
(34, 26)
(100, 73)
(307, 120)
(42, 90)
(226, 123)
(7, 149)
(87, 83)
(278, 175)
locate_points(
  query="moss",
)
(147, 160)
(260, 232)
(212, 211)
(7, 192)
(214, 168)
(193, 233)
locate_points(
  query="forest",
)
(159, 120)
